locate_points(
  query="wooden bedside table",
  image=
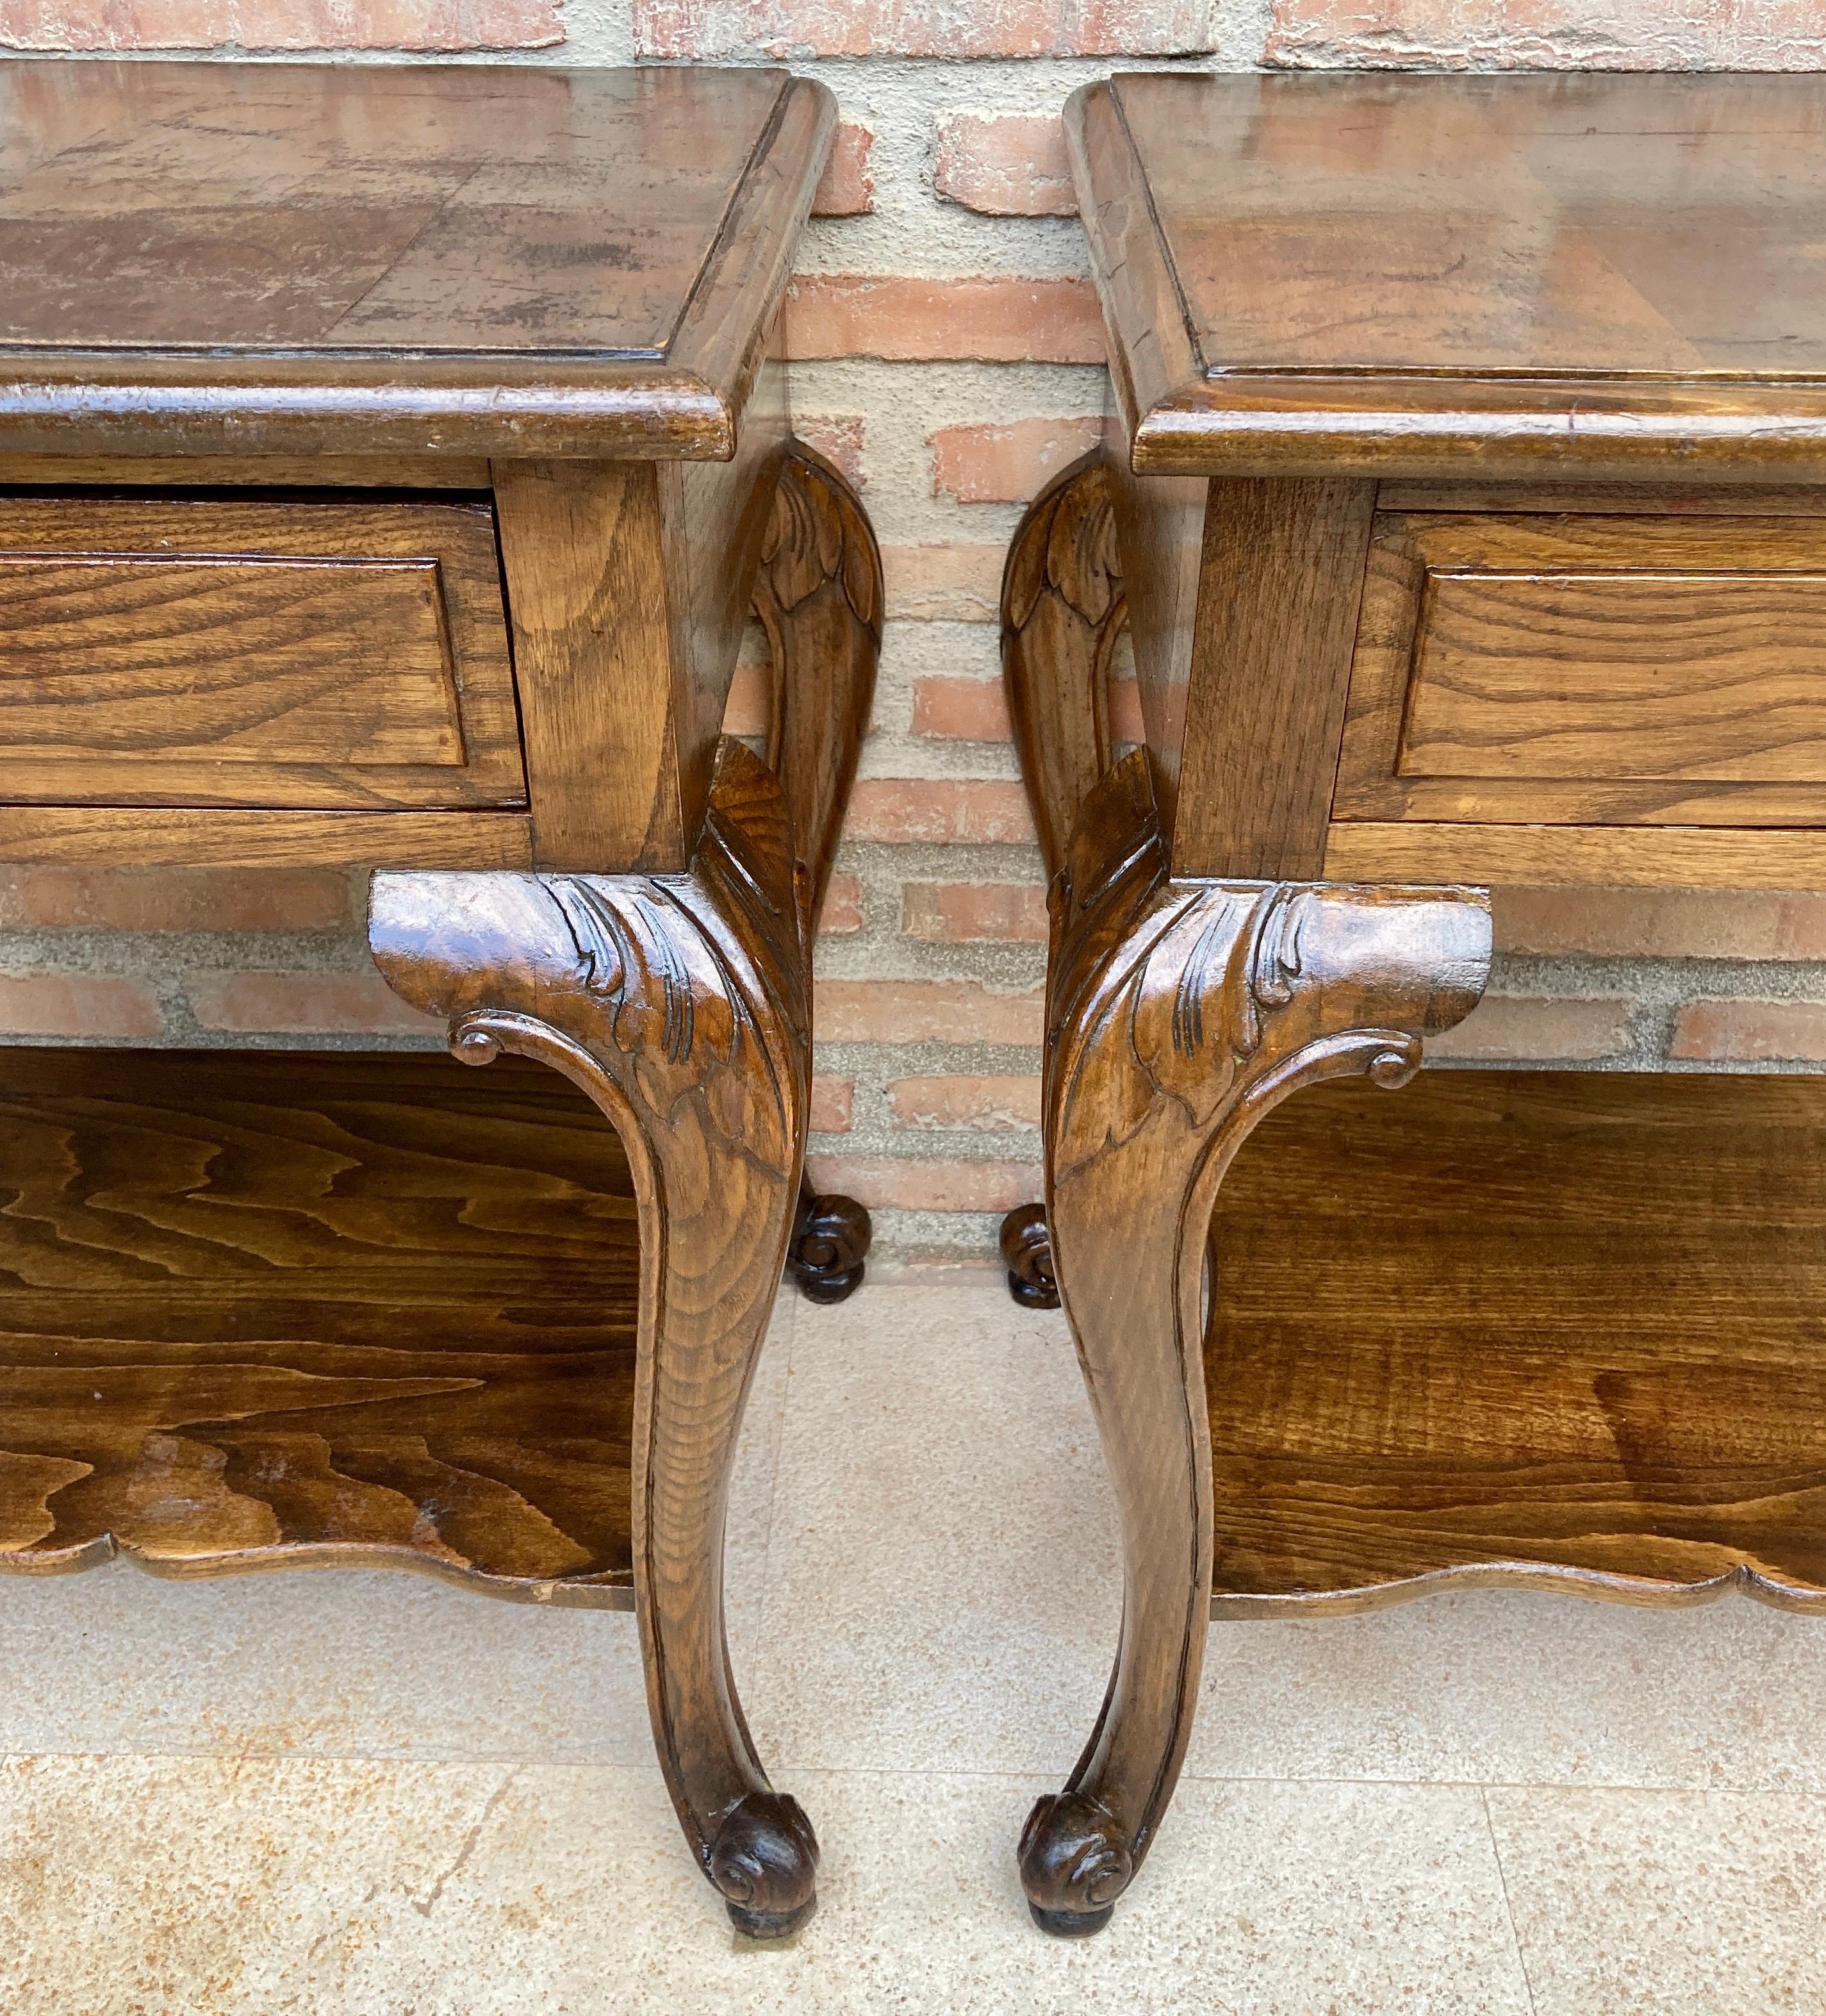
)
(1467, 508)
(391, 457)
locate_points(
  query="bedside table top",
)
(1390, 271)
(470, 259)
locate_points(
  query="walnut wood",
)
(471, 260)
(199, 652)
(681, 1004)
(1602, 856)
(828, 1245)
(1063, 609)
(263, 1311)
(630, 588)
(819, 594)
(1590, 670)
(1178, 1013)
(1610, 275)
(1026, 1252)
(210, 837)
(1601, 1371)
(1279, 585)
(264, 472)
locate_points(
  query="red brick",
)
(179, 899)
(846, 188)
(76, 1004)
(1751, 1032)
(978, 318)
(961, 709)
(969, 913)
(791, 29)
(838, 438)
(1651, 924)
(1007, 461)
(886, 1184)
(1547, 34)
(990, 1102)
(943, 584)
(831, 1100)
(948, 810)
(280, 24)
(842, 909)
(1512, 1027)
(299, 1004)
(1004, 164)
(926, 1011)
(750, 703)
(1126, 724)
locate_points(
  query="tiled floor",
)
(375, 1796)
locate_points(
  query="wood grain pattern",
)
(1063, 609)
(583, 548)
(1531, 1327)
(1643, 857)
(1278, 589)
(311, 1310)
(209, 837)
(1614, 275)
(1591, 669)
(681, 1007)
(819, 595)
(467, 259)
(1179, 1013)
(193, 651)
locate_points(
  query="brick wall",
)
(948, 355)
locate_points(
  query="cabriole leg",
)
(1178, 1013)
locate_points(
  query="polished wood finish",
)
(262, 326)
(109, 835)
(1467, 477)
(1179, 1014)
(1586, 670)
(1279, 585)
(185, 651)
(1616, 276)
(1601, 1371)
(1180, 1010)
(681, 1004)
(210, 259)
(1606, 857)
(681, 1008)
(314, 1311)
(1062, 609)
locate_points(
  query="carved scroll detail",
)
(1063, 609)
(1179, 1014)
(678, 1002)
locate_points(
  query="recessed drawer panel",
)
(194, 651)
(1559, 668)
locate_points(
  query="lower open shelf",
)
(1557, 1327)
(262, 1309)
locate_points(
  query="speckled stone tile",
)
(210, 1887)
(1517, 1686)
(943, 1585)
(1666, 1903)
(356, 1662)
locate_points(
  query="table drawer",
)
(250, 652)
(1602, 669)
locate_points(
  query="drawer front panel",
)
(296, 655)
(1570, 669)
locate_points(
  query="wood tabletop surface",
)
(1379, 259)
(597, 253)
